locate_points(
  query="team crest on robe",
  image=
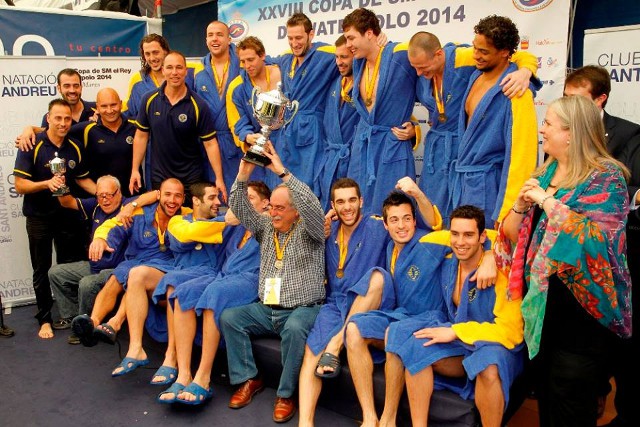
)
(473, 294)
(204, 88)
(182, 118)
(129, 140)
(147, 234)
(101, 141)
(72, 164)
(413, 272)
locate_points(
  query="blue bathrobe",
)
(378, 158)
(340, 121)
(302, 139)
(242, 123)
(497, 152)
(205, 86)
(415, 290)
(442, 139)
(490, 332)
(366, 249)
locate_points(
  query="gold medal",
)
(368, 102)
(442, 118)
(278, 264)
(198, 246)
(339, 273)
(163, 247)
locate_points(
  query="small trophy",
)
(269, 109)
(58, 168)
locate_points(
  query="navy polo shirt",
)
(31, 165)
(177, 132)
(107, 152)
(90, 209)
(87, 113)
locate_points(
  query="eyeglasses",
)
(107, 196)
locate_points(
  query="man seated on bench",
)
(475, 345)
(410, 268)
(356, 244)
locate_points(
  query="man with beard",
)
(356, 244)
(146, 244)
(340, 121)
(307, 76)
(181, 125)
(47, 221)
(443, 76)
(253, 74)
(384, 96)
(217, 69)
(73, 283)
(291, 284)
(499, 145)
(194, 239)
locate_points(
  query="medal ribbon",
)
(370, 81)
(345, 88)
(245, 239)
(437, 94)
(394, 258)
(294, 63)
(220, 80)
(276, 242)
(267, 77)
(160, 232)
(342, 248)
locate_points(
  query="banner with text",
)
(542, 25)
(616, 49)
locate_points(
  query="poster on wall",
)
(542, 25)
(616, 49)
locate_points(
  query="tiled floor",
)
(527, 415)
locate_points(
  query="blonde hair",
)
(587, 150)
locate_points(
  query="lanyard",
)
(161, 233)
(294, 63)
(437, 94)
(394, 258)
(245, 239)
(280, 251)
(370, 81)
(345, 88)
(220, 80)
(342, 248)
(268, 77)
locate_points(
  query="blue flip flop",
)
(175, 389)
(201, 394)
(169, 373)
(129, 364)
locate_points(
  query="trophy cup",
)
(58, 168)
(269, 109)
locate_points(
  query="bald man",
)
(107, 142)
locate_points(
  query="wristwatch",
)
(134, 204)
(284, 173)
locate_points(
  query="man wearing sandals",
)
(356, 244)
(145, 242)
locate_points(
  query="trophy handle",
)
(292, 106)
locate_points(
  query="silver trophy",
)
(269, 109)
(58, 167)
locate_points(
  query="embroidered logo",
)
(101, 141)
(413, 272)
(182, 117)
(198, 246)
(147, 234)
(157, 113)
(204, 88)
(473, 294)
(72, 164)
(129, 140)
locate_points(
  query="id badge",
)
(272, 287)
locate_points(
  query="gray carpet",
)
(52, 383)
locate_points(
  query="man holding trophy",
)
(39, 172)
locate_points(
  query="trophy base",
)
(62, 191)
(256, 159)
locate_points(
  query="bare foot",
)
(45, 332)
(186, 396)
